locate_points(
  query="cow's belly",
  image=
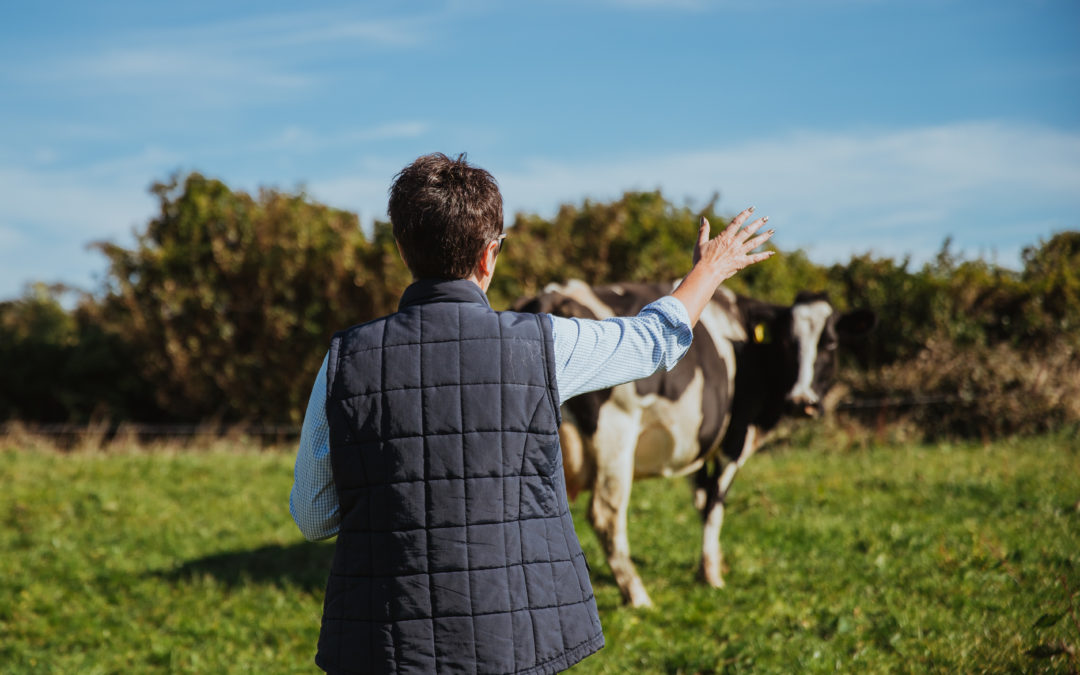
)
(667, 444)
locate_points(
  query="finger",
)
(751, 244)
(737, 222)
(758, 257)
(702, 240)
(755, 226)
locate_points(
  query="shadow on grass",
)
(304, 565)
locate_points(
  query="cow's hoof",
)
(636, 595)
(639, 602)
(700, 499)
(711, 575)
(714, 580)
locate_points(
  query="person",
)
(430, 445)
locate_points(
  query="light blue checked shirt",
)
(589, 355)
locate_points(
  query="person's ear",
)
(486, 265)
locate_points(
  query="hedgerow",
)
(223, 308)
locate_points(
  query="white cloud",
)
(49, 215)
(660, 4)
(168, 66)
(302, 139)
(391, 131)
(303, 28)
(79, 205)
(171, 75)
(384, 33)
(365, 193)
(748, 5)
(893, 192)
(215, 63)
(994, 187)
(10, 238)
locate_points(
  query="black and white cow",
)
(750, 363)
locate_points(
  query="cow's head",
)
(802, 341)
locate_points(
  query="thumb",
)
(703, 232)
(702, 239)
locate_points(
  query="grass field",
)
(945, 558)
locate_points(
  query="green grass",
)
(888, 559)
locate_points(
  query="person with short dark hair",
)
(444, 212)
(430, 445)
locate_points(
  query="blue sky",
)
(857, 125)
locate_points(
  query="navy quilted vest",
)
(456, 552)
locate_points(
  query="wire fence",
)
(291, 431)
(283, 431)
(890, 402)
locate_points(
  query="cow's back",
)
(683, 413)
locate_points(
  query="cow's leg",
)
(712, 556)
(610, 505)
(575, 469)
(608, 513)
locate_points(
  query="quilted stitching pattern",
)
(457, 551)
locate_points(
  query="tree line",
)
(223, 308)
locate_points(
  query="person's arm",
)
(591, 355)
(313, 501)
(717, 260)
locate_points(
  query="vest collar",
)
(425, 291)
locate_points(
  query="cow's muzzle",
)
(804, 407)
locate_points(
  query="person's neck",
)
(483, 281)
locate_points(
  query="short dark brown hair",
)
(444, 212)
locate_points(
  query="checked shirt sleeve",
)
(591, 355)
(313, 501)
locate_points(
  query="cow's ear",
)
(760, 321)
(856, 323)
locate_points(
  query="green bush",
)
(974, 391)
(1052, 279)
(228, 301)
(61, 366)
(224, 308)
(639, 237)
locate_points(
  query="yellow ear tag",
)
(761, 333)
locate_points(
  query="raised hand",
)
(730, 251)
(718, 259)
